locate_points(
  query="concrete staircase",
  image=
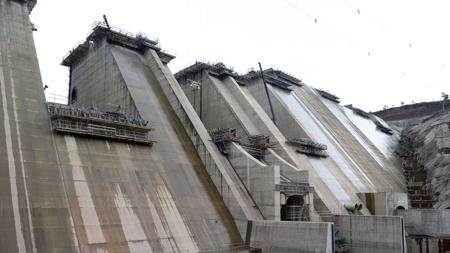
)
(418, 193)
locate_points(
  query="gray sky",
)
(392, 51)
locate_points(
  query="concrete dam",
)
(205, 160)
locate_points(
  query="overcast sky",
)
(369, 53)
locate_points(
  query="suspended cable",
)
(316, 20)
(358, 10)
(378, 23)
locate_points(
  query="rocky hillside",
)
(408, 115)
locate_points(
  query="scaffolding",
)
(91, 122)
(359, 111)
(281, 79)
(218, 70)
(383, 128)
(286, 77)
(329, 96)
(273, 77)
(222, 137)
(138, 42)
(221, 71)
(278, 82)
(308, 147)
(257, 145)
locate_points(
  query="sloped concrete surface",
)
(35, 212)
(361, 158)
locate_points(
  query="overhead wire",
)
(328, 27)
(316, 20)
(400, 39)
(361, 12)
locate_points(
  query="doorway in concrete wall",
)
(294, 209)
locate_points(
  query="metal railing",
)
(91, 122)
(56, 99)
(102, 25)
(83, 128)
(329, 96)
(296, 213)
(223, 136)
(91, 114)
(294, 188)
(308, 147)
(307, 142)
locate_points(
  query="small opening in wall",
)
(73, 95)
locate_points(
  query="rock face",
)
(409, 115)
(428, 146)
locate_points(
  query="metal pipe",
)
(352, 207)
(106, 21)
(267, 93)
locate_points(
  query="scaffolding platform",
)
(273, 77)
(257, 145)
(359, 111)
(218, 70)
(91, 122)
(383, 128)
(221, 71)
(278, 83)
(138, 42)
(309, 147)
(281, 79)
(223, 136)
(329, 96)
